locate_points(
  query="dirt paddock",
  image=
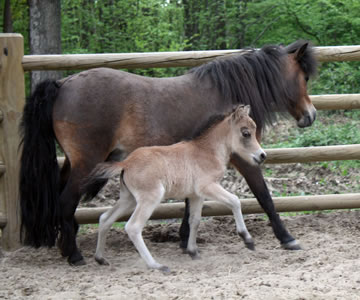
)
(328, 267)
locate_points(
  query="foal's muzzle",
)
(259, 156)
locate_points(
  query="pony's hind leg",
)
(123, 206)
(185, 227)
(218, 193)
(194, 221)
(146, 204)
(69, 200)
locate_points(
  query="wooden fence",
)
(13, 64)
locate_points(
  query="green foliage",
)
(337, 78)
(108, 26)
(321, 134)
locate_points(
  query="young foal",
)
(190, 169)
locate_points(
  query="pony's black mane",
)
(205, 127)
(257, 78)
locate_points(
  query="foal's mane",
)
(258, 78)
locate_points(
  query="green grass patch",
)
(320, 134)
(84, 228)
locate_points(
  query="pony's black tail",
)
(39, 170)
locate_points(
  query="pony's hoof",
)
(102, 261)
(293, 245)
(76, 259)
(250, 246)
(77, 263)
(183, 245)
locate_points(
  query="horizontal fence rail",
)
(161, 59)
(312, 154)
(248, 206)
(336, 101)
(305, 154)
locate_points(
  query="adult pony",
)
(104, 114)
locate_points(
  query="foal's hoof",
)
(292, 245)
(194, 254)
(165, 269)
(249, 243)
(102, 261)
(250, 246)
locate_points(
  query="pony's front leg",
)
(256, 182)
(145, 207)
(194, 221)
(216, 192)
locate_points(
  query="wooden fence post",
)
(12, 99)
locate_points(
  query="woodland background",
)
(109, 26)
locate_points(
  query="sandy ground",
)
(328, 267)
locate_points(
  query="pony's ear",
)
(299, 53)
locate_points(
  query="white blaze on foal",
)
(189, 169)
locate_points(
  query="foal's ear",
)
(247, 109)
(240, 111)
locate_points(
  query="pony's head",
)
(243, 136)
(301, 65)
(272, 80)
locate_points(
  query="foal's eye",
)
(306, 78)
(246, 134)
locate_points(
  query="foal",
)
(189, 169)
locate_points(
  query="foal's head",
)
(243, 131)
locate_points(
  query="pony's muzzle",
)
(307, 119)
(260, 156)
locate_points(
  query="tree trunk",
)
(8, 28)
(45, 34)
(191, 23)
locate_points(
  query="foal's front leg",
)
(216, 192)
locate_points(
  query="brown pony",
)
(104, 114)
(191, 169)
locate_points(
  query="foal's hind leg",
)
(194, 220)
(146, 204)
(125, 205)
(218, 193)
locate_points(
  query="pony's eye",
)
(246, 134)
(306, 78)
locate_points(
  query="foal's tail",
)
(94, 182)
(39, 170)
